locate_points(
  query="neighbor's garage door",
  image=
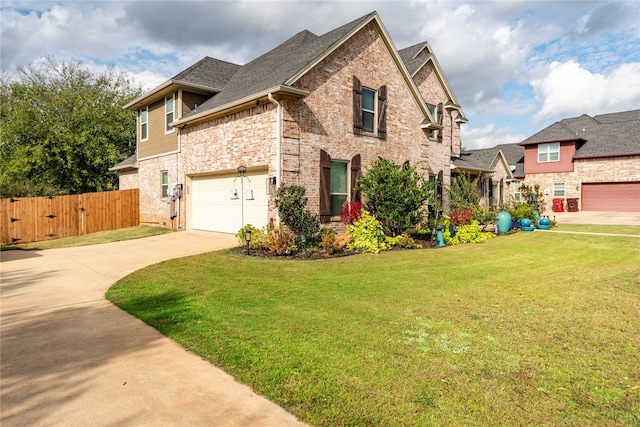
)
(213, 209)
(614, 197)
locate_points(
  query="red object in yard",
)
(572, 205)
(558, 205)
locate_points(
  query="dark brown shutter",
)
(357, 106)
(356, 171)
(325, 187)
(440, 121)
(382, 112)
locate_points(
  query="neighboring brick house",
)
(496, 175)
(591, 163)
(315, 111)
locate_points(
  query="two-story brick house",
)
(590, 163)
(315, 111)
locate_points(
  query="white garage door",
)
(213, 209)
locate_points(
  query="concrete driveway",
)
(69, 357)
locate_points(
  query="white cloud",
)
(567, 89)
(487, 137)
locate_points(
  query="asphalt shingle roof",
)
(209, 72)
(277, 66)
(483, 158)
(408, 56)
(605, 135)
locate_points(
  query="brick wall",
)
(325, 117)
(439, 153)
(612, 169)
(128, 179)
(153, 207)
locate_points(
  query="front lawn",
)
(526, 329)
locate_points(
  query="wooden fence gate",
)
(34, 219)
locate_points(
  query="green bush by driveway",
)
(526, 329)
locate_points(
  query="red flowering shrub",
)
(351, 212)
(461, 216)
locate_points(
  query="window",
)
(516, 189)
(144, 124)
(558, 189)
(368, 110)
(168, 109)
(337, 179)
(549, 152)
(338, 189)
(433, 134)
(165, 183)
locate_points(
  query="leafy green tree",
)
(395, 195)
(62, 127)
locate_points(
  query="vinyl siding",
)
(190, 100)
(158, 142)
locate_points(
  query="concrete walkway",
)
(69, 357)
(592, 217)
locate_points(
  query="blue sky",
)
(515, 66)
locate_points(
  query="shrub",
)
(364, 235)
(281, 240)
(328, 238)
(290, 202)
(483, 214)
(464, 192)
(520, 210)
(351, 212)
(461, 216)
(470, 233)
(395, 194)
(258, 237)
(403, 241)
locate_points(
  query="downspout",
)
(278, 146)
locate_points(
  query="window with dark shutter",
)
(325, 190)
(356, 171)
(440, 121)
(382, 112)
(357, 106)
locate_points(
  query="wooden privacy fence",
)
(34, 219)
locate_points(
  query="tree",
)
(395, 195)
(62, 127)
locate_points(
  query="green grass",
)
(92, 239)
(526, 329)
(604, 228)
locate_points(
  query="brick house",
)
(496, 175)
(587, 163)
(216, 140)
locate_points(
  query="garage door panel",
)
(214, 210)
(613, 197)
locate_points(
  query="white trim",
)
(158, 155)
(548, 152)
(146, 109)
(167, 125)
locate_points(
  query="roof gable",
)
(288, 62)
(606, 135)
(417, 57)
